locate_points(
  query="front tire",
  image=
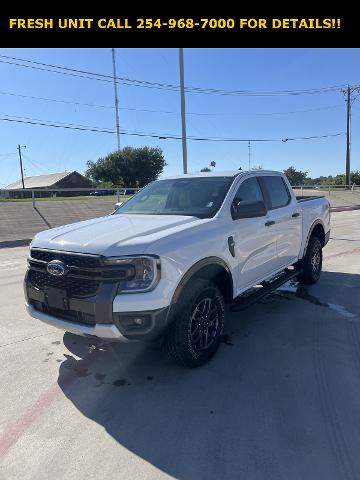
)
(311, 263)
(195, 333)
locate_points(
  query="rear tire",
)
(195, 334)
(311, 263)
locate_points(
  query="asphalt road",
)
(279, 401)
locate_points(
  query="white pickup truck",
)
(167, 261)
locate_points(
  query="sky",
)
(50, 150)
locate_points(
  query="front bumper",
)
(118, 331)
(100, 330)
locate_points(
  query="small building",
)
(50, 181)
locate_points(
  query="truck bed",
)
(303, 198)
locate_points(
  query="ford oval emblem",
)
(56, 268)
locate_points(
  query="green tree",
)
(326, 180)
(355, 177)
(295, 177)
(105, 185)
(340, 179)
(128, 167)
(205, 169)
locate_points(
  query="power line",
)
(90, 76)
(46, 123)
(172, 112)
(32, 97)
(41, 167)
(54, 121)
(10, 174)
(94, 74)
(312, 137)
(56, 125)
(53, 71)
(34, 165)
(265, 114)
(161, 86)
(77, 126)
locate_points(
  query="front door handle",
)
(269, 223)
(296, 214)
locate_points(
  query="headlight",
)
(145, 273)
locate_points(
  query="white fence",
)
(119, 192)
(327, 189)
(51, 193)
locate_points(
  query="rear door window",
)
(276, 191)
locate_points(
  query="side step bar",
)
(243, 301)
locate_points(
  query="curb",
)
(345, 209)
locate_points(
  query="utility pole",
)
(116, 99)
(349, 101)
(21, 165)
(348, 134)
(249, 146)
(182, 100)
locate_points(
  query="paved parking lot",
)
(279, 401)
(336, 196)
(20, 221)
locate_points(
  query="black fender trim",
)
(327, 237)
(196, 268)
(316, 222)
(204, 263)
(188, 276)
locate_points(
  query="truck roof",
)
(225, 173)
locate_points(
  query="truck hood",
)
(114, 234)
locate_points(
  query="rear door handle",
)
(296, 214)
(269, 223)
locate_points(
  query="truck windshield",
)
(199, 197)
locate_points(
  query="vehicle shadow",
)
(256, 411)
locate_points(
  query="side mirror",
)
(246, 209)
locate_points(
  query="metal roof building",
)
(53, 180)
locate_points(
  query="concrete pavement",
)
(279, 401)
(337, 197)
(20, 221)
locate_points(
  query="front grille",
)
(75, 287)
(70, 315)
(70, 259)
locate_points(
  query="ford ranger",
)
(168, 261)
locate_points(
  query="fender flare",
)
(311, 229)
(189, 274)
